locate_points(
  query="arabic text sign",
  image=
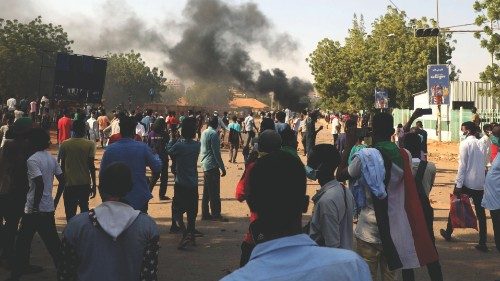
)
(438, 84)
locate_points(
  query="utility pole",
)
(437, 62)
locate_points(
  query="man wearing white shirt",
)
(335, 127)
(486, 145)
(491, 199)
(282, 251)
(470, 180)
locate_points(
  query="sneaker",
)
(163, 198)
(220, 219)
(445, 235)
(174, 229)
(198, 233)
(481, 247)
(186, 239)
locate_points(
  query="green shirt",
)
(75, 154)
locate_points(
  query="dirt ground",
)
(218, 252)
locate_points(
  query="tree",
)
(127, 75)
(489, 19)
(389, 58)
(22, 47)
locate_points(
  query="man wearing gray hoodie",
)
(112, 241)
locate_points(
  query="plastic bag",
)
(461, 213)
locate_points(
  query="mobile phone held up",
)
(426, 111)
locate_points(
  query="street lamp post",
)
(437, 62)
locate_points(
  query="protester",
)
(391, 232)
(331, 222)
(40, 206)
(235, 139)
(475, 117)
(250, 128)
(46, 121)
(289, 142)
(213, 170)
(112, 241)
(281, 125)
(64, 127)
(303, 131)
(137, 156)
(311, 131)
(400, 133)
(77, 156)
(157, 141)
(33, 110)
(278, 196)
(11, 104)
(93, 127)
(186, 150)
(491, 198)
(14, 187)
(269, 141)
(103, 124)
(425, 174)
(470, 180)
(485, 144)
(335, 127)
(8, 120)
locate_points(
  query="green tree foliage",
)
(22, 46)
(127, 75)
(489, 20)
(389, 58)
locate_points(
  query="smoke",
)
(215, 43)
(292, 93)
(210, 43)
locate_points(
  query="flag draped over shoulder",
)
(402, 226)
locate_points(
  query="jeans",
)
(76, 196)
(45, 225)
(477, 197)
(335, 137)
(251, 135)
(372, 254)
(434, 270)
(162, 176)
(495, 218)
(185, 201)
(211, 193)
(304, 145)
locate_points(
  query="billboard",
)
(438, 84)
(381, 99)
(79, 78)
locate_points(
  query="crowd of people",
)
(373, 174)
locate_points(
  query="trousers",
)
(211, 193)
(76, 196)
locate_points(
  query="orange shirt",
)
(103, 122)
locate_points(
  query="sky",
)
(306, 21)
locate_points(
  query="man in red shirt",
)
(64, 127)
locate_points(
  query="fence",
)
(450, 123)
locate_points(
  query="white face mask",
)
(462, 137)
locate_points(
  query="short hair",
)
(281, 116)
(79, 128)
(474, 109)
(115, 180)
(214, 122)
(305, 112)
(267, 124)
(419, 123)
(149, 112)
(188, 128)
(234, 118)
(383, 125)
(471, 126)
(39, 139)
(325, 154)
(487, 127)
(159, 126)
(127, 126)
(277, 190)
(269, 141)
(413, 143)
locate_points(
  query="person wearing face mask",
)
(491, 198)
(470, 180)
(331, 222)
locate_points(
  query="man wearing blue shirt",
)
(213, 169)
(277, 193)
(136, 155)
